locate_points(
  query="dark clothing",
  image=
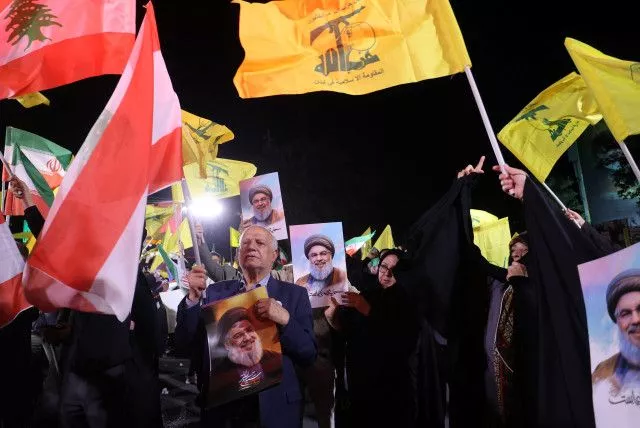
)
(215, 271)
(381, 348)
(34, 220)
(279, 406)
(554, 371)
(600, 241)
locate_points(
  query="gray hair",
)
(274, 241)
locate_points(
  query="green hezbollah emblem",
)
(26, 19)
(217, 184)
(357, 38)
(555, 128)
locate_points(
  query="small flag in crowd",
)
(33, 99)
(200, 140)
(354, 244)
(492, 235)
(223, 179)
(40, 163)
(385, 240)
(234, 237)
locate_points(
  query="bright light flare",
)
(206, 207)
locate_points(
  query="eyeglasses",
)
(384, 268)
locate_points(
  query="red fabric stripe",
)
(14, 206)
(98, 206)
(166, 161)
(48, 296)
(12, 299)
(66, 62)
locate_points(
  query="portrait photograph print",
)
(262, 205)
(319, 262)
(245, 355)
(611, 288)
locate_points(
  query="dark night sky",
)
(363, 160)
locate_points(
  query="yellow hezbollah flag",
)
(492, 236)
(367, 245)
(385, 240)
(234, 238)
(32, 100)
(223, 179)
(349, 46)
(540, 134)
(200, 140)
(156, 217)
(614, 83)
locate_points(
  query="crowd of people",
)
(387, 352)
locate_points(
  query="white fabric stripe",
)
(115, 283)
(39, 159)
(21, 172)
(11, 263)
(166, 107)
(94, 136)
(118, 16)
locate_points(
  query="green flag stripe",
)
(167, 260)
(38, 180)
(27, 140)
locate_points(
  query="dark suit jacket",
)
(280, 406)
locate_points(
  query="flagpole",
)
(7, 166)
(632, 162)
(192, 228)
(491, 134)
(485, 118)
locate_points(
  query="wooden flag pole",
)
(492, 136)
(632, 162)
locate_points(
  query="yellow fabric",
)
(234, 238)
(479, 217)
(156, 217)
(615, 85)
(493, 238)
(540, 134)
(385, 240)
(364, 250)
(349, 46)
(200, 140)
(32, 100)
(223, 179)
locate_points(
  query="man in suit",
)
(319, 250)
(288, 306)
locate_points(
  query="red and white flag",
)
(49, 43)
(87, 254)
(12, 300)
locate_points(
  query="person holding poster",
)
(287, 306)
(245, 353)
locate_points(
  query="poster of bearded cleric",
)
(611, 287)
(244, 352)
(261, 202)
(319, 262)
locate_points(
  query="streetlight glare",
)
(206, 207)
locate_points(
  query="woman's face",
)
(385, 271)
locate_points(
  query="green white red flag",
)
(40, 163)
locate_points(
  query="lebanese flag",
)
(12, 300)
(87, 255)
(49, 43)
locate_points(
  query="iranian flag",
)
(354, 244)
(40, 163)
(49, 43)
(87, 254)
(12, 300)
